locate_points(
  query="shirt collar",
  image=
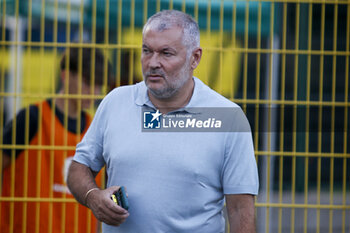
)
(141, 96)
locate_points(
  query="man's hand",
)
(103, 207)
(80, 180)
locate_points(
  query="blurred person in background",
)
(176, 181)
(54, 124)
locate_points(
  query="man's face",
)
(85, 89)
(164, 65)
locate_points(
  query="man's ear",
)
(66, 79)
(66, 76)
(196, 57)
(63, 74)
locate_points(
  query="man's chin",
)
(161, 93)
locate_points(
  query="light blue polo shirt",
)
(176, 181)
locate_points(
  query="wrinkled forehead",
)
(164, 31)
(163, 24)
(171, 38)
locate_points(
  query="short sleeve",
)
(90, 150)
(240, 173)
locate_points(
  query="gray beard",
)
(171, 90)
(163, 94)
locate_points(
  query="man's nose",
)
(154, 61)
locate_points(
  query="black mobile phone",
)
(120, 198)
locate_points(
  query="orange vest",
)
(45, 175)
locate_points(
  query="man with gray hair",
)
(177, 181)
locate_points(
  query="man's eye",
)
(167, 54)
(145, 50)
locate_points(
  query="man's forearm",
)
(241, 213)
(82, 184)
(80, 180)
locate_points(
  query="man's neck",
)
(72, 109)
(178, 100)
